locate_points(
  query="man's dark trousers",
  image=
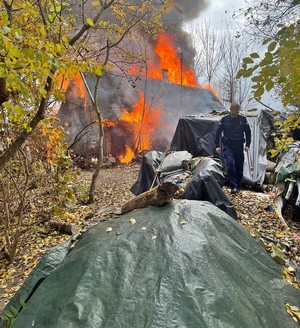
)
(234, 162)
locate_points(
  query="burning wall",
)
(141, 109)
(139, 118)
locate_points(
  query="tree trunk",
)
(3, 91)
(22, 137)
(101, 133)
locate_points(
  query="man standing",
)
(236, 132)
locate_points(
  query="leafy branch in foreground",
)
(279, 68)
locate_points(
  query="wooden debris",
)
(156, 196)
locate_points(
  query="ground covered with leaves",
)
(255, 212)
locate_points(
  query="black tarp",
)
(206, 184)
(150, 162)
(206, 180)
(196, 134)
(186, 264)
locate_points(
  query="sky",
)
(215, 11)
(218, 12)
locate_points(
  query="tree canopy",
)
(42, 44)
(278, 68)
(41, 41)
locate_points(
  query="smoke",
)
(190, 9)
(185, 11)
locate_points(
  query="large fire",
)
(170, 62)
(170, 66)
(144, 120)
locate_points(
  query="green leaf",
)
(269, 86)
(254, 55)
(248, 60)
(90, 22)
(247, 73)
(281, 79)
(267, 41)
(289, 44)
(256, 78)
(272, 46)
(8, 314)
(259, 92)
(14, 310)
(22, 302)
(28, 53)
(98, 70)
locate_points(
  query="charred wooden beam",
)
(156, 196)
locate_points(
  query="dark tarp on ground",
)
(150, 162)
(208, 272)
(196, 134)
(206, 183)
(48, 263)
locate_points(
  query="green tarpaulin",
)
(186, 264)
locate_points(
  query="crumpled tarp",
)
(196, 134)
(186, 264)
(48, 263)
(289, 162)
(205, 184)
(150, 162)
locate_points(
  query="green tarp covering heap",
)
(186, 264)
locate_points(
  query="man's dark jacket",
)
(234, 129)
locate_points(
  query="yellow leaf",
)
(90, 22)
(132, 221)
(109, 229)
(182, 222)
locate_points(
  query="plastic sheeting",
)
(159, 272)
(289, 162)
(205, 184)
(48, 263)
(197, 135)
(150, 162)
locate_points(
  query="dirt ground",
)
(255, 213)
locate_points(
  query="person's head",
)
(234, 109)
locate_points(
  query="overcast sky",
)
(216, 9)
(219, 13)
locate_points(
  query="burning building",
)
(143, 117)
(140, 109)
(141, 105)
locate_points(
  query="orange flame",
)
(128, 157)
(109, 123)
(212, 89)
(64, 82)
(172, 63)
(170, 66)
(144, 120)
